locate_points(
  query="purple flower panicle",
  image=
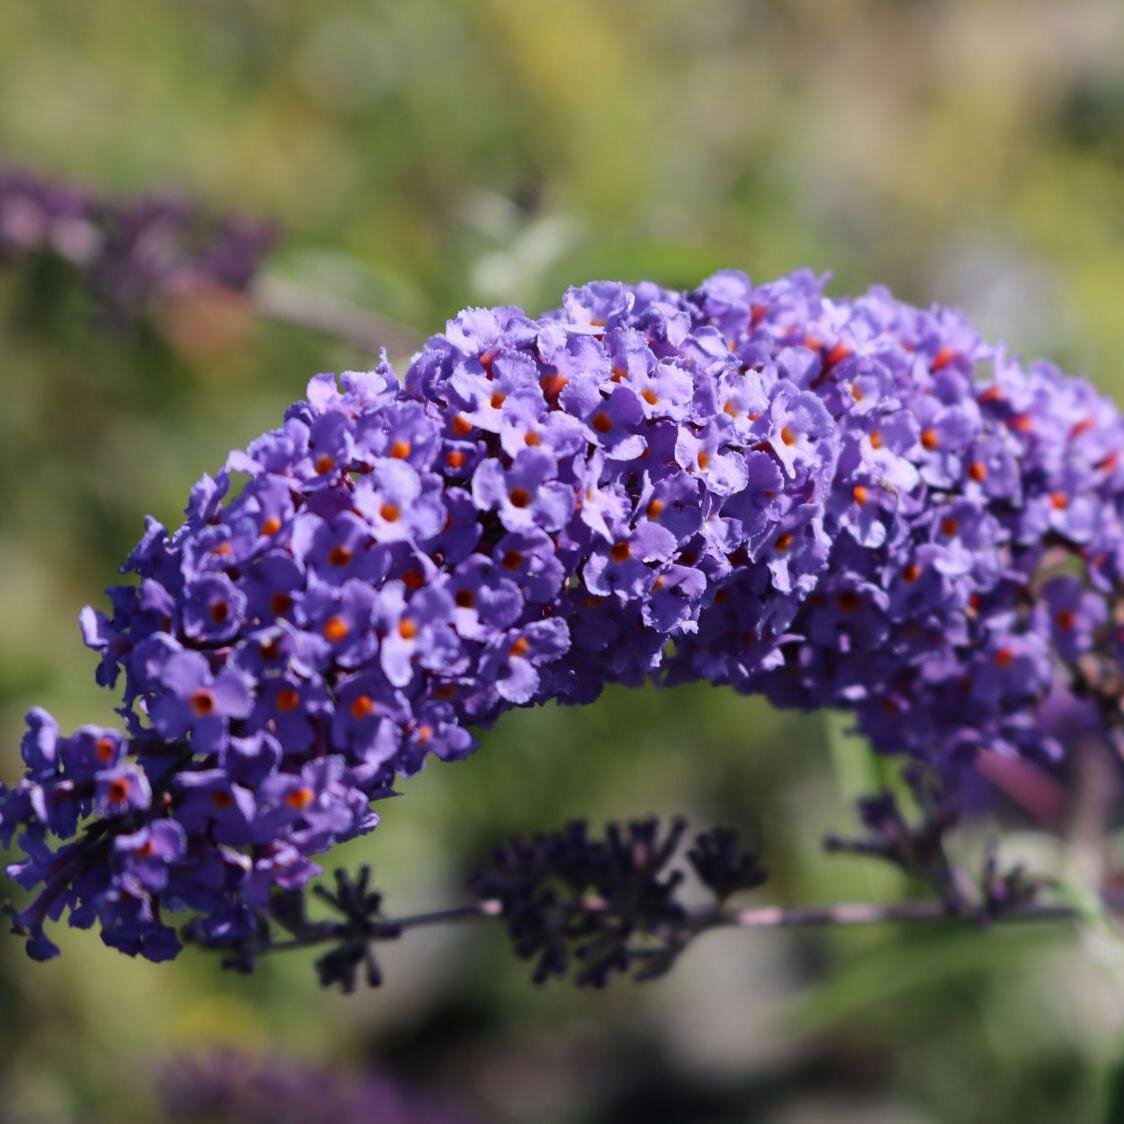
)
(849, 503)
(131, 252)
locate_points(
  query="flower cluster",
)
(235, 1086)
(851, 503)
(130, 253)
(608, 906)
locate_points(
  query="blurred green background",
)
(422, 155)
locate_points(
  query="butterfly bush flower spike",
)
(831, 502)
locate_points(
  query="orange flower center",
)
(553, 384)
(202, 703)
(361, 707)
(942, 358)
(300, 798)
(336, 629)
(288, 699)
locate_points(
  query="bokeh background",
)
(426, 155)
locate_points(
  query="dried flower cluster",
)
(599, 907)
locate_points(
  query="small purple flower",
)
(794, 426)
(626, 567)
(339, 623)
(209, 800)
(39, 745)
(530, 560)
(368, 721)
(707, 456)
(330, 444)
(213, 608)
(526, 494)
(397, 504)
(513, 662)
(91, 749)
(273, 586)
(340, 549)
(197, 703)
(527, 423)
(1071, 615)
(320, 799)
(120, 790)
(615, 422)
(415, 632)
(289, 707)
(485, 599)
(148, 854)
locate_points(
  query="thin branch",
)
(289, 303)
(867, 913)
(708, 918)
